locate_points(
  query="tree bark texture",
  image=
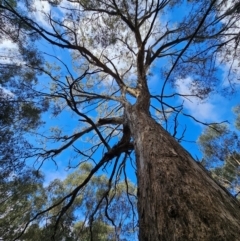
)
(177, 199)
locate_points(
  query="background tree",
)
(113, 46)
(20, 106)
(79, 224)
(21, 197)
(220, 147)
(20, 113)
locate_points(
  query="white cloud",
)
(41, 9)
(207, 111)
(6, 94)
(8, 50)
(7, 44)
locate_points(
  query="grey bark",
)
(177, 199)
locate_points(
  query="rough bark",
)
(177, 199)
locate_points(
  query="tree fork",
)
(177, 199)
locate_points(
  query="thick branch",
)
(112, 121)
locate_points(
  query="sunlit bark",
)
(177, 199)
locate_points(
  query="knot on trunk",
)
(172, 211)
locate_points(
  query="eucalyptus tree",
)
(86, 218)
(220, 145)
(19, 111)
(21, 197)
(114, 48)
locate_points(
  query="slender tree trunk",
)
(177, 199)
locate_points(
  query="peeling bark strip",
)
(177, 199)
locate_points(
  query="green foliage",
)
(22, 198)
(31, 113)
(236, 111)
(114, 202)
(17, 118)
(210, 141)
(21, 106)
(6, 113)
(21, 189)
(228, 174)
(100, 231)
(221, 154)
(12, 3)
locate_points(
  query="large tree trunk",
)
(177, 199)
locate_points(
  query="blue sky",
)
(216, 108)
